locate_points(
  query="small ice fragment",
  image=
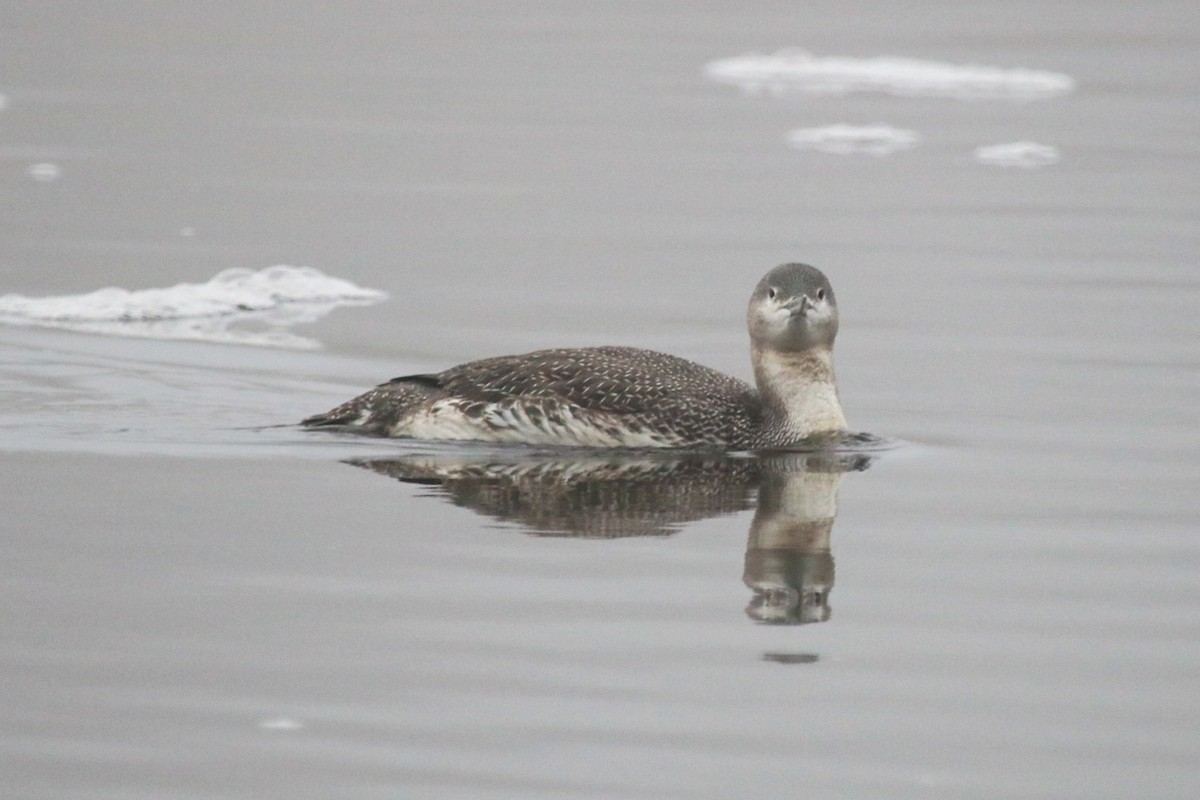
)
(1028, 155)
(281, 724)
(3, 102)
(877, 140)
(44, 172)
(187, 231)
(794, 70)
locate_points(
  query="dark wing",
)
(649, 391)
(619, 380)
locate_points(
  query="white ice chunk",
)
(800, 71)
(272, 298)
(281, 724)
(877, 139)
(1017, 154)
(44, 172)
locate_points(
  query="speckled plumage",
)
(625, 396)
(600, 396)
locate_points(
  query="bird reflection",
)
(609, 494)
(789, 563)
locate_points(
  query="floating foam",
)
(800, 71)
(44, 172)
(1017, 154)
(268, 300)
(877, 140)
(281, 724)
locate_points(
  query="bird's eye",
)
(820, 294)
(771, 293)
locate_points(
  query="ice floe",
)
(44, 172)
(876, 140)
(237, 306)
(800, 71)
(281, 724)
(1017, 154)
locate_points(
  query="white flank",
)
(510, 422)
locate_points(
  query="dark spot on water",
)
(791, 658)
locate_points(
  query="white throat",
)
(799, 390)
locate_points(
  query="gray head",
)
(793, 309)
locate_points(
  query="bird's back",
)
(599, 396)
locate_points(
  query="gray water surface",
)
(200, 603)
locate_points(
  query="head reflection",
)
(610, 494)
(789, 564)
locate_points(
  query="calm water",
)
(198, 605)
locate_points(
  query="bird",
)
(628, 397)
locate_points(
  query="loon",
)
(628, 397)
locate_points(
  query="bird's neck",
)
(798, 390)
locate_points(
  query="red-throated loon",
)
(628, 397)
